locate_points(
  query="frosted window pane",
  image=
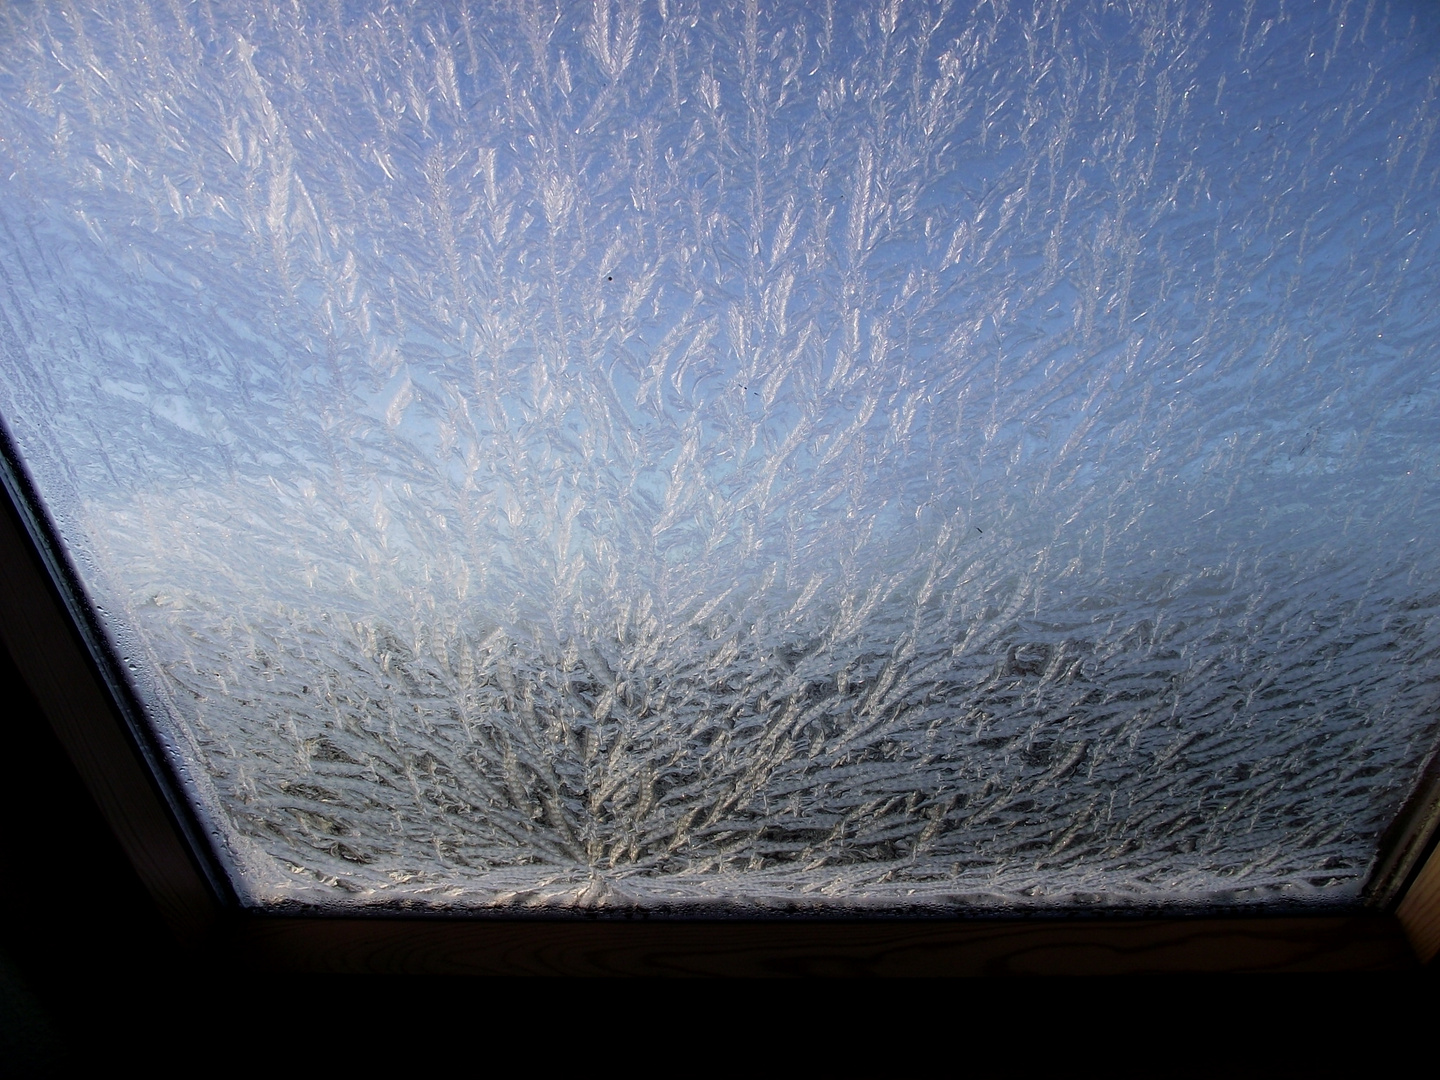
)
(680, 455)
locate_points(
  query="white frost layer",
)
(672, 454)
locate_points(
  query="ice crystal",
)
(740, 456)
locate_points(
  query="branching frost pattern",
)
(747, 455)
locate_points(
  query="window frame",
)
(58, 647)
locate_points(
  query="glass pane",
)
(723, 457)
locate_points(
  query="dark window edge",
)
(978, 947)
(49, 632)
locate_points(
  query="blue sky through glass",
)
(746, 455)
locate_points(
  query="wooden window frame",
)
(58, 647)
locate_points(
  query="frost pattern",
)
(746, 456)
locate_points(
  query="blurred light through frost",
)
(674, 454)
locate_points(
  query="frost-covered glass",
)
(710, 456)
